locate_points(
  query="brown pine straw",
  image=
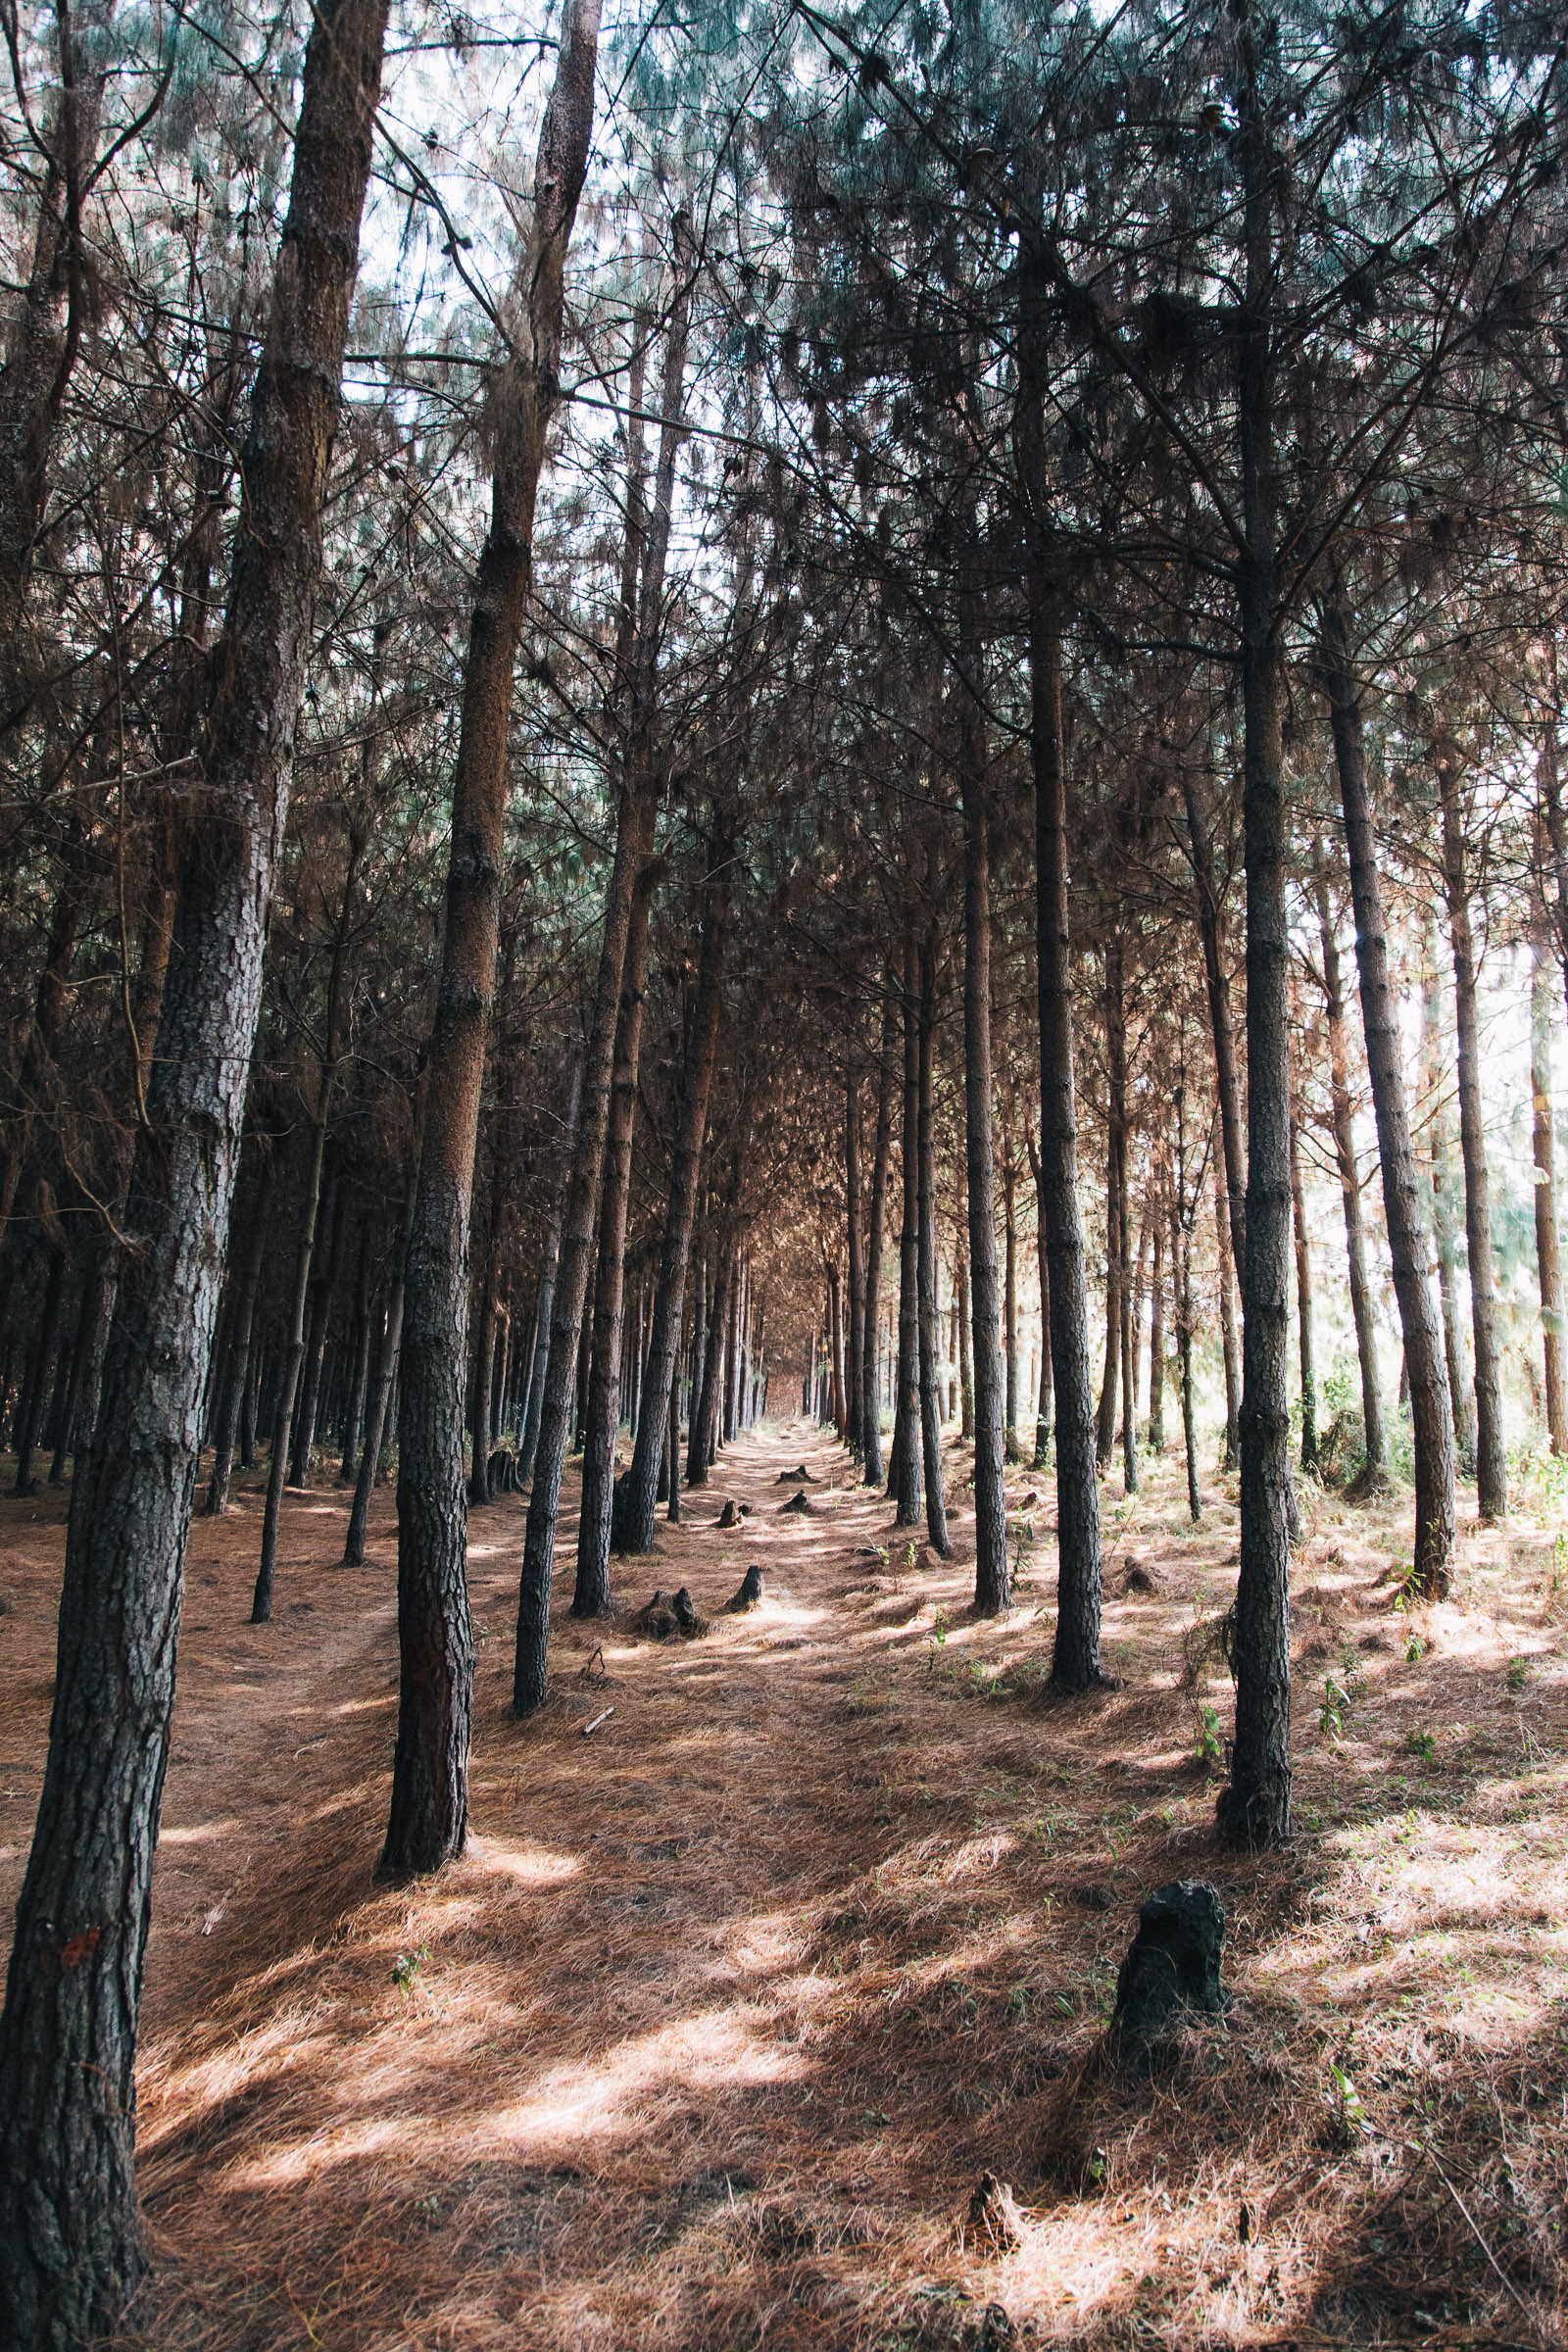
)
(710, 2039)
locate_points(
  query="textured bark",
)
(936, 1510)
(1303, 1298)
(323, 1282)
(1227, 1319)
(1437, 1077)
(1431, 1418)
(1222, 1027)
(704, 1423)
(1256, 1805)
(1110, 1368)
(1492, 1461)
(854, 1370)
(634, 1525)
(1044, 1415)
(602, 1422)
(41, 1357)
(46, 335)
(69, 2240)
(1548, 1248)
(294, 1358)
(528, 1437)
(634, 835)
(1009, 1280)
(991, 1590)
(903, 1468)
(1157, 1323)
(871, 1384)
(244, 1336)
(1349, 1180)
(961, 1284)
(1075, 1658)
(360, 1375)
(427, 1823)
(378, 1422)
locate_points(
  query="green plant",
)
(1422, 1745)
(1349, 2116)
(1336, 1706)
(1415, 1649)
(1518, 1672)
(1210, 1749)
(407, 1966)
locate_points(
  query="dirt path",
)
(708, 2038)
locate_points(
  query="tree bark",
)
(1226, 1319)
(244, 1336)
(701, 1446)
(1431, 1417)
(360, 1376)
(1303, 1298)
(40, 1361)
(991, 1588)
(856, 1368)
(379, 1422)
(635, 1514)
(936, 1510)
(1492, 1461)
(323, 1283)
(1009, 1280)
(1350, 1179)
(634, 835)
(1222, 1026)
(1444, 1201)
(601, 1425)
(68, 2239)
(1156, 1322)
(871, 1384)
(904, 1472)
(1548, 1251)
(528, 1439)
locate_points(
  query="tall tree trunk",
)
(634, 838)
(636, 1504)
(529, 1438)
(293, 1363)
(936, 1510)
(960, 1288)
(1110, 1370)
(46, 335)
(903, 1470)
(1304, 1296)
(1009, 1280)
(1366, 1347)
(706, 1412)
(68, 2242)
(1431, 1420)
(1224, 1272)
(379, 1423)
(591, 1592)
(855, 1370)
(991, 1590)
(45, 1341)
(1548, 1251)
(323, 1284)
(360, 1376)
(1075, 1659)
(1436, 1073)
(1156, 1318)
(1256, 1805)
(244, 1335)
(1222, 1026)
(871, 1385)
(1492, 1461)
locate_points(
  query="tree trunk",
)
(855, 1370)
(360, 1377)
(701, 1446)
(1432, 1421)
(904, 1471)
(1222, 1026)
(991, 1592)
(1009, 1281)
(1075, 1660)
(1110, 1370)
(591, 1590)
(331, 1046)
(1256, 1805)
(1436, 1073)
(634, 835)
(1492, 1461)
(1227, 1320)
(380, 1422)
(1350, 1179)
(936, 1510)
(961, 1284)
(1549, 1252)
(634, 1529)
(240, 1362)
(323, 1285)
(528, 1441)
(871, 1385)
(1303, 1298)
(69, 2240)
(37, 1392)
(1157, 1323)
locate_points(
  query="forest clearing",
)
(783, 1344)
(715, 2032)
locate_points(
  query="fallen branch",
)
(597, 1721)
(1421, 2149)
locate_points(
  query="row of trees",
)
(1040, 527)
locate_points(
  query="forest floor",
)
(711, 2036)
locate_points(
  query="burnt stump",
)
(1172, 1970)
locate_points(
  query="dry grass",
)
(710, 2039)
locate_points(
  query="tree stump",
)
(993, 2220)
(800, 1477)
(729, 1516)
(800, 1504)
(747, 1594)
(1172, 1968)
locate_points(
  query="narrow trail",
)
(708, 2038)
